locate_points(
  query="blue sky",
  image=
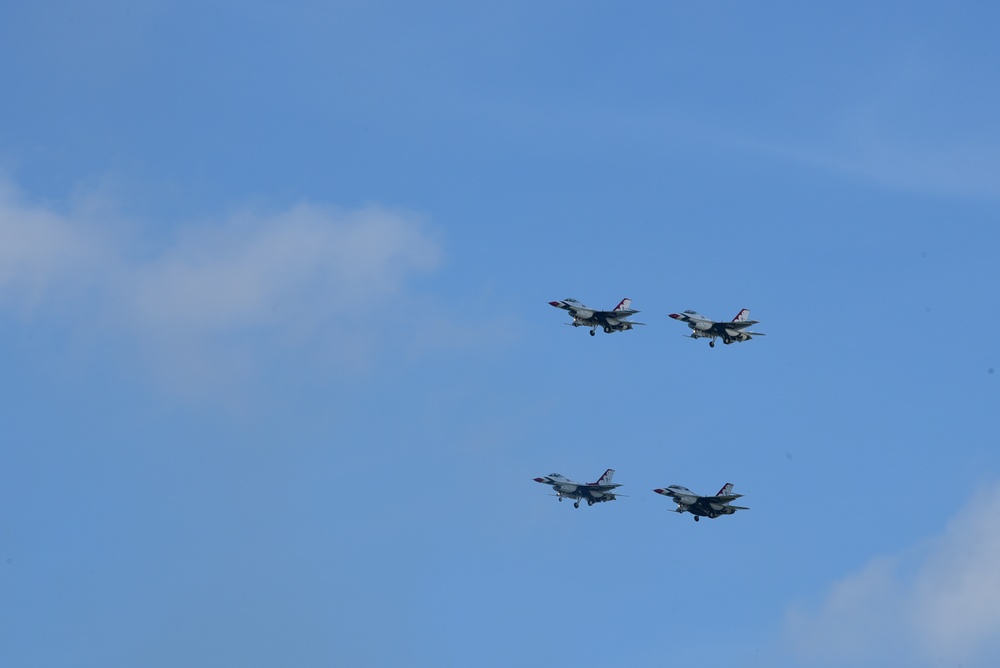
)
(280, 366)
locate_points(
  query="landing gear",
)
(590, 502)
(696, 518)
(607, 330)
(711, 344)
(576, 504)
(592, 332)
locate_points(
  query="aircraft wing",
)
(620, 319)
(600, 488)
(624, 313)
(737, 324)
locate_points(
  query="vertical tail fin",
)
(742, 316)
(606, 478)
(624, 304)
(726, 490)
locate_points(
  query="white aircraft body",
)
(703, 506)
(611, 321)
(729, 332)
(592, 492)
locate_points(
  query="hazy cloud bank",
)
(207, 299)
(939, 607)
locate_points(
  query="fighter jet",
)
(592, 492)
(611, 321)
(702, 327)
(703, 506)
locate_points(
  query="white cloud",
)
(940, 608)
(251, 269)
(42, 251)
(218, 295)
(957, 595)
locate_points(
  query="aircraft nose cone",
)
(676, 316)
(539, 479)
(553, 303)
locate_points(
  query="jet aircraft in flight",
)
(702, 327)
(592, 492)
(703, 506)
(611, 321)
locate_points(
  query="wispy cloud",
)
(907, 125)
(215, 296)
(43, 253)
(950, 168)
(938, 608)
